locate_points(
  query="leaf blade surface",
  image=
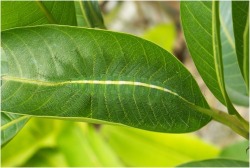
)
(101, 75)
(241, 32)
(205, 45)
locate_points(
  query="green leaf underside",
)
(241, 32)
(19, 13)
(100, 75)
(10, 125)
(88, 14)
(235, 85)
(204, 46)
(216, 163)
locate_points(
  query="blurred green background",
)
(47, 143)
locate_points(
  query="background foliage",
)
(67, 143)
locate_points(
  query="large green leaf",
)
(17, 14)
(216, 163)
(88, 14)
(98, 76)
(23, 13)
(200, 22)
(143, 148)
(235, 85)
(240, 11)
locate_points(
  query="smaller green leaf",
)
(234, 81)
(11, 124)
(36, 134)
(216, 163)
(236, 151)
(88, 14)
(240, 13)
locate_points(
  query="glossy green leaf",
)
(235, 85)
(88, 14)
(143, 148)
(162, 34)
(238, 151)
(240, 13)
(200, 22)
(24, 13)
(216, 163)
(82, 146)
(20, 13)
(36, 134)
(98, 76)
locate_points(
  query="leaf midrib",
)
(94, 82)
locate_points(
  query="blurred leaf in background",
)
(30, 139)
(236, 151)
(143, 148)
(82, 145)
(66, 143)
(163, 34)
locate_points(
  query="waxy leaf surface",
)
(98, 76)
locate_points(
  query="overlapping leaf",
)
(240, 13)
(24, 13)
(88, 14)
(235, 85)
(96, 75)
(200, 21)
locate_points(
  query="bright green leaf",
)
(162, 34)
(83, 146)
(143, 148)
(200, 22)
(36, 134)
(240, 13)
(28, 13)
(216, 163)
(96, 75)
(235, 85)
(88, 14)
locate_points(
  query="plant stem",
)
(240, 126)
